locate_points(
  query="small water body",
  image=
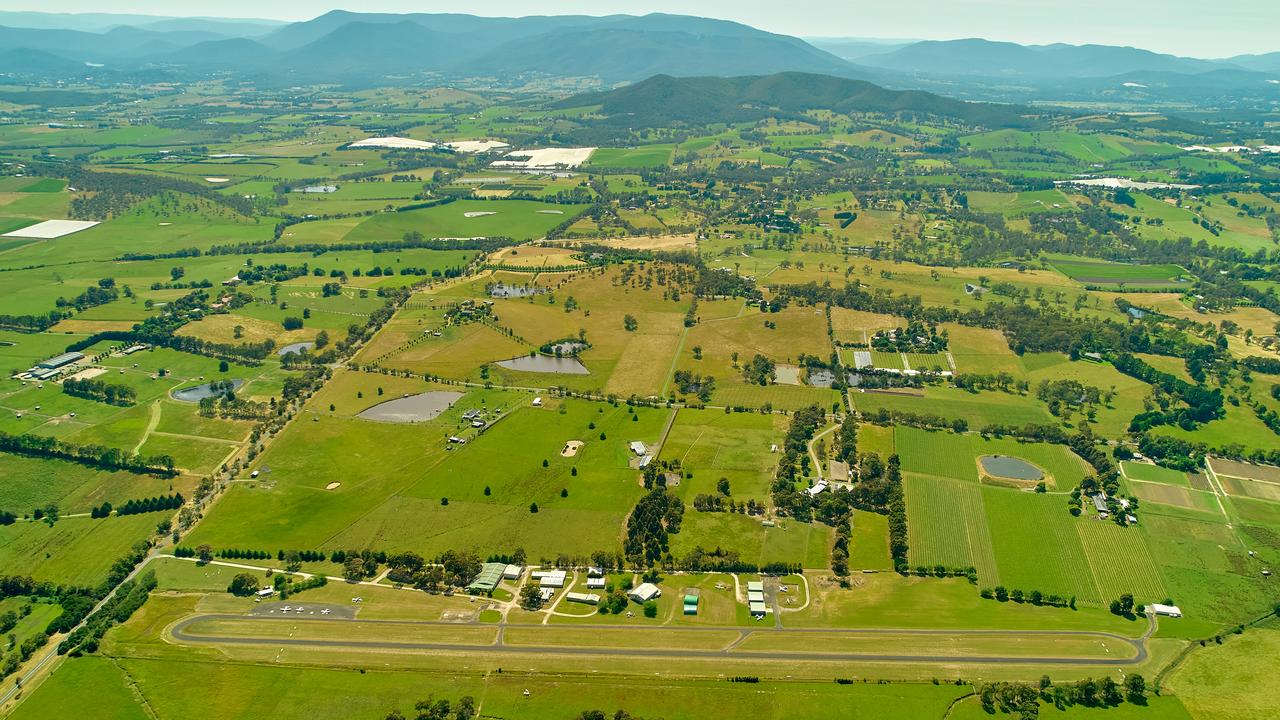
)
(415, 408)
(546, 364)
(200, 392)
(514, 291)
(568, 347)
(296, 348)
(821, 377)
(1010, 467)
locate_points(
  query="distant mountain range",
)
(349, 47)
(362, 49)
(663, 100)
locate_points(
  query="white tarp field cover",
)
(50, 229)
(545, 158)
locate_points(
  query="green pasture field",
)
(978, 409)
(76, 550)
(390, 473)
(877, 439)
(517, 219)
(714, 445)
(1154, 473)
(1113, 420)
(1178, 222)
(1103, 272)
(808, 544)
(1232, 681)
(636, 157)
(241, 689)
(144, 230)
(1092, 148)
(1020, 204)
(796, 331)
(1240, 427)
(1206, 567)
(890, 600)
(35, 482)
(869, 544)
(618, 362)
(131, 428)
(31, 185)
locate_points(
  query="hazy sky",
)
(1185, 27)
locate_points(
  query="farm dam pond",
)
(546, 364)
(414, 408)
(209, 389)
(1006, 466)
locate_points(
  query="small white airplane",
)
(286, 608)
(326, 611)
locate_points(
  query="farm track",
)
(499, 645)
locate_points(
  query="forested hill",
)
(662, 100)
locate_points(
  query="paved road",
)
(499, 645)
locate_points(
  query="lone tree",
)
(243, 585)
(530, 597)
(204, 553)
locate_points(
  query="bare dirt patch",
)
(87, 373)
(332, 486)
(645, 242)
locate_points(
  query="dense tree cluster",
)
(656, 516)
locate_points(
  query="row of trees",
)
(104, 392)
(152, 504)
(92, 455)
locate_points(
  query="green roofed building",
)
(690, 599)
(488, 579)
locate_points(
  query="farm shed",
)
(644, 592)
(585, 598)
(512, 572)
(1166, 610)
(488, 579)
(595, 583)
(638, 447)
(59, 360)
(549, 578)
